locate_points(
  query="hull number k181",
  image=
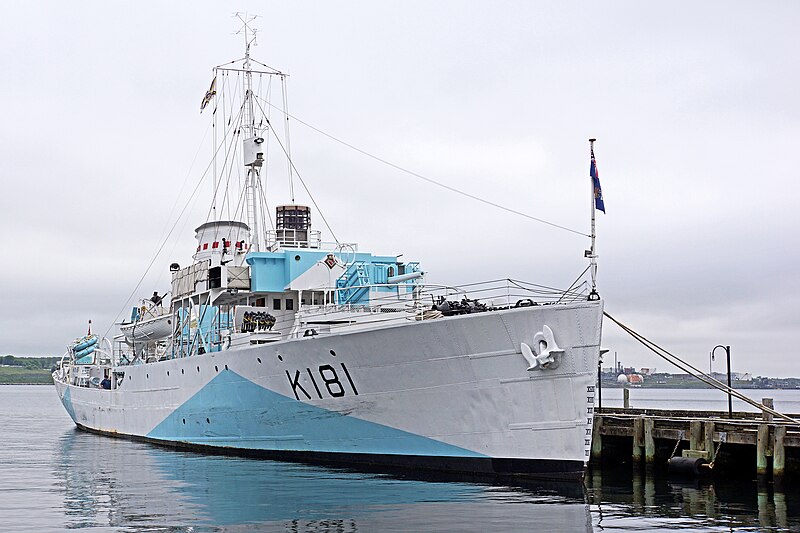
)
(325, 378)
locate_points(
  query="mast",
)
(214, 157)
(248, 78)
(252, 142)
(592, 252)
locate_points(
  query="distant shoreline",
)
(689, 385)
(12, 375)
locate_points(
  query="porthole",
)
(259, 360)
(168, 372)
(297, 258)
(182, 372)
(226, 367)
(198, 369)
(208, 421)
(216, 369)
(333, 353)
(184, 420)
(280, 358)
(148, 376)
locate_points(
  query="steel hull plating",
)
(451, 394)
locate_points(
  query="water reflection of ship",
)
(132, 484)
(738, 504)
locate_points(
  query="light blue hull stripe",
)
(232, 411)
(67, 401)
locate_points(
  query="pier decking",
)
(742, 444)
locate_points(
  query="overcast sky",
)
(694, 105)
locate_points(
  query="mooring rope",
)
(699, 374)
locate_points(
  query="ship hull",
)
(449, 395)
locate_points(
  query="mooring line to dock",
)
(699, 374)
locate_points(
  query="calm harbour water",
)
(55, 478)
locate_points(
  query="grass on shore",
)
(15, 375)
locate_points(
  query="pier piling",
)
(761, 450)
(597, 440)
(767, 402)
(649, 442)
(779, 454)
(653, 436)
(638, 439)
(708, 443)
(695, 434)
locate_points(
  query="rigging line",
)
(553, 293)
(161, 247)
(231, 149)
(434, 182)
(302, 181)
(237, 124)
(574, 282)
(264, 201)
(702, 376)
(277, 72)
(286, 133)
(172, 229)
(521, 285)
(242, 189)
(241, 202)
(186, 178)
(262, 197)
(229, 62)
(186, 220)
(226, 195)
(267, 157)
(228, 150)
(667, 355)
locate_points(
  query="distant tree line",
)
(32, 363)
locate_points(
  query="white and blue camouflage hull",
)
(452, 394)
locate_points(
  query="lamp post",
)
(728, 357)
(600, 379)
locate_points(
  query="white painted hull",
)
(452, 392)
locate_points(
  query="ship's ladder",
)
(353, 284)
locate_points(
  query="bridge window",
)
(289, 304)
(276, 304)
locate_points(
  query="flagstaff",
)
(597, 203)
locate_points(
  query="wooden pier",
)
(744, 444)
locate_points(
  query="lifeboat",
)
(155, 324)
